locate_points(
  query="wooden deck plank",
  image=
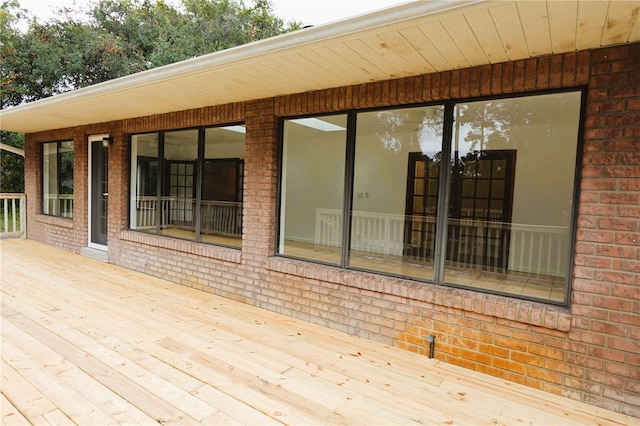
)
(281, 409)
(233, 362)
(22, 394)
(115, 373)
(69, 373)
(10, 414)
(258, 392)
(88, 342)
(67, 398)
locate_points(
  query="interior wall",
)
(314, 178)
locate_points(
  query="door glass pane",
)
(99, 178)
(144, 206)
(312, 189)
(178, 200)
(222, 176)
(395, 191)
(521, 153)
(103, 184)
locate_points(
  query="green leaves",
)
(120, 37)
(11, 165)
(113, 39)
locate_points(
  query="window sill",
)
(527, 312)
(183, 246)
(62, 222)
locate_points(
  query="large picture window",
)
(57, 179)
(188, 184)
(313, 188)
(477, 194)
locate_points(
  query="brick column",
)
(606, 287)
(261, 180)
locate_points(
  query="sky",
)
(309, 12)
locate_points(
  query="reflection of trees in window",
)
(65, 182)
(516, 121)
(398, 129)
(388, 125)
(485, 126)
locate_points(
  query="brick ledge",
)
(191, 247)
(524, 311)
(54, 220)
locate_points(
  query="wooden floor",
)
(93, 344)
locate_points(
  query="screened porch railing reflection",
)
(530, 249)
(217, 217)
(59, 205)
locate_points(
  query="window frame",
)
(58, 145)
(444, 188)
(161, 182)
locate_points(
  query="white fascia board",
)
(244, 54)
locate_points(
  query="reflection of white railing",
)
(146, 208)
(529, 248)
(370, 232)
(539, 249)
(534, 249)
(221, 218)
(328, 227)
(377, 233)
(59, 205)
(13, 215)
(217, 217)
(476, 242)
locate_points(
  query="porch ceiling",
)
(409, 39)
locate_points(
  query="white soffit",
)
(405, 40)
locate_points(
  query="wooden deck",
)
(93, 344)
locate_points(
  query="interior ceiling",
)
(409, 39)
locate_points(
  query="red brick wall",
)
(605, 323)
(55, 231)
(589, 352)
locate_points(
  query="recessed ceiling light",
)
(237, 129)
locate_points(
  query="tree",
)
(11, 165)
(120, 37)
(113, 39)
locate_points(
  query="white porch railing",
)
(217, 217)
(13, 214)
(531, 248)
(59, 205)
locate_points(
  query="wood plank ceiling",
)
(409, 39)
